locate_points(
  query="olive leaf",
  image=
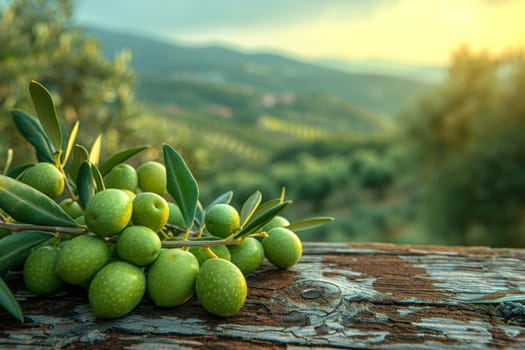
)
(94, 153)
(17, 245)
(266, 205)
(262, 218)
(199, 215)
(181, 184)
(8, 161)
(309, 223)
(119, 158)
(71, 142)
(32, 131)
(28, 205)
(97, 176)
(9, 302)
(223, 198)
(85, 183)
(250, 206)
(47, 115)
(17, 171)
(80, 155)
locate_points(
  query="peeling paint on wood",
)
(339, 296)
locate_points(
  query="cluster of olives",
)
(120, 258)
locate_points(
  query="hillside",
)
(262, 71)
(234, 104)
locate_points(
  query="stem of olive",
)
(202, 243)
(208, 250)
(259, 235)
(14, 227)
(175, 227)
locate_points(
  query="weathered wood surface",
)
(346, 296)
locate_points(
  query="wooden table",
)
(339, 296)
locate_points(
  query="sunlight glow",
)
(423, 32)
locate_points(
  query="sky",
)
(423, 32)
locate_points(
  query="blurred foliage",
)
(375, 172)
(37, 42)
(344, 185)
(467, 143)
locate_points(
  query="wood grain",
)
(339, 296)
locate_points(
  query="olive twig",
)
(175, 227)
(200, 243)
(15, 227)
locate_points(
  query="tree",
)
(373, 170)
(468, 147)
(38, 42)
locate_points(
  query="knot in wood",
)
(314, 295)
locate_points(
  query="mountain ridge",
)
(426, 73)
(267, 72)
